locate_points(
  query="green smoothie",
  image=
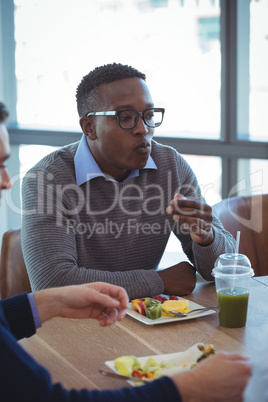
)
(233, 306)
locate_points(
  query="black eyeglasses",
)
(128, 119)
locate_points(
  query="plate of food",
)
(155, 311)
(149, 368)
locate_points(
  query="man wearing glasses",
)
(97, 210)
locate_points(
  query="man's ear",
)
(88, 127)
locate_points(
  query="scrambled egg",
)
(179, 306)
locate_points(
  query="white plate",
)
(182, 360)
(166, 319)
(142, 360)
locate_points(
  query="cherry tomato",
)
(137, 373)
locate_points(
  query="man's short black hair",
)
(87, 95)
(3, 112)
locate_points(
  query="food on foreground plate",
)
(125, 365)
(132, 367)
(159, 306)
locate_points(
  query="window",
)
(177, 45)
(252, 83)
(258, 67)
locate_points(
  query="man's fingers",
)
(169, 210)
(110, 317)
(236, 356)
(113, 292)
(187, 207)
(118, 293)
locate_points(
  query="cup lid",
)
(232, 271)
(232, 258)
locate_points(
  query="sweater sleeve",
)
(18, 313)
(24, 380)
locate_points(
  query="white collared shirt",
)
(86, 168)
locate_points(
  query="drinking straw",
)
(236, 260)
(237, 242)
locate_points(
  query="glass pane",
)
(175, 42)
(258, 64)
(29, 155)
(208, 170)
(252, 177)
(252, 101)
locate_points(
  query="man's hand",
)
(179, 279)
(221, 377)
(102, 301)
(195, 216)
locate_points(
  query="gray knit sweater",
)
(106, 231)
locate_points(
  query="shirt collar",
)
(86, 168)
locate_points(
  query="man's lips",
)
(143, 147)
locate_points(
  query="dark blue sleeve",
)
(24, 380)
(18, 313)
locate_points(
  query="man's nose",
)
(5, 182)
(141, 127)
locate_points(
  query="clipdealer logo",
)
(50, 199)
(53, 198)
(129, 227)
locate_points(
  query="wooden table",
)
(74, 350)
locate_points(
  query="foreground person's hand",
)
(195, 216)
(179, 280)
(221, 377)
(105, 302)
